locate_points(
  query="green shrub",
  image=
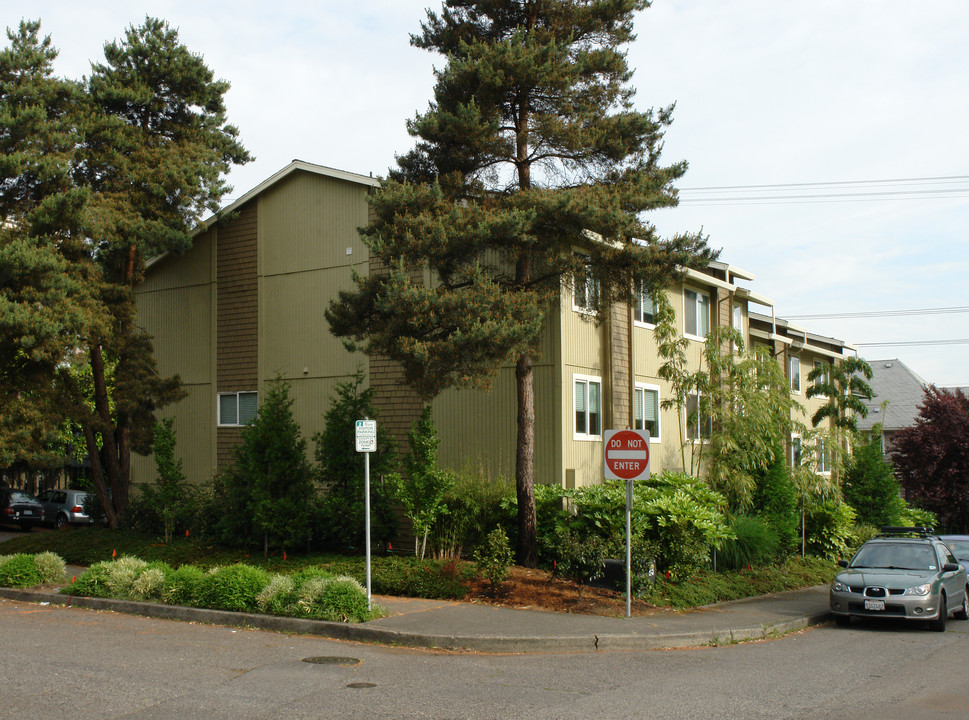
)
(775, 499)
(494, 557)
(151, 583)
(278, 596)
(471, 506)
(829, 528)
(184, 586)
(870, 486)
(581, 558)
(336, 599)
(756, 542)
(19, 571)
(233, 587)
(410, 577)
(51, 567)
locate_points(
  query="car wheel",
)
(939, 623)
(842, 620)
(61, 521)
(963, 613)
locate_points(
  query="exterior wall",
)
(308, 248)
(176, 303)
(237, 317)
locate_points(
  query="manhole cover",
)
(331, 660)
(362, 685)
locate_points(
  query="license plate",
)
(874, 604)
(28, 512)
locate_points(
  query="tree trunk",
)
(112, 475)
(525, 464)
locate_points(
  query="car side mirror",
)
(843, 563)
(950, 567)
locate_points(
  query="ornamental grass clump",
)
(19, 571)
(51, 567)
(234, 588)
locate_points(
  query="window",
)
(824, 457)
(795, 450)
(825, 377)
(237, 409)
(737, 319)
(645, 311)
(646, 409)
(585, 290)
(796, 375)
(588, 406)
(699, 422)
(696, 313)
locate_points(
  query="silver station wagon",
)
(906, 573)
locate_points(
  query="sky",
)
(827, 141)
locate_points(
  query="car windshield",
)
(895, 556)
(960, 548)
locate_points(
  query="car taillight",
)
(77, 509)
(8, 511)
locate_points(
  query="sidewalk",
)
(461, 626)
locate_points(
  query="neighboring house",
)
(897, 393)
(246, 304)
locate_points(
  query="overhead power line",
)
(914, 343)
(913, 188)
(880, 313)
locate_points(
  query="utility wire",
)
(880, 313)
(914, 343)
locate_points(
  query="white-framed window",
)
(796, 375)
(696, 313)
(737, 319)
(699, 421)
(644, 310)
(646, 410)
(237, 409)
(585, 289)
(825, 377)
(823, 450)
(587, 403)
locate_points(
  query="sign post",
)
(626, 457)
(366, 442)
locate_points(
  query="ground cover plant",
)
(23, 570)
(314, 593)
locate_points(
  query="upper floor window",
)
(646, 409)
(699, 422)
(696, 313)
(585, 289)
(237, 408)
(644, 311)
(588, 406)
(796, 375)
(823, 450)
(824, 378)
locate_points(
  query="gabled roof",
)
(894, 381)
(295, 166)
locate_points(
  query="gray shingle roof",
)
(895, 382)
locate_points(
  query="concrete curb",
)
(487, 643)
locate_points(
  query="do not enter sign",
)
(626, 454)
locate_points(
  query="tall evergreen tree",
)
(531, 169)
(97, 178)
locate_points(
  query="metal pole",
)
(629, 548)
(366, 503)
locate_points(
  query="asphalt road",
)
(73, 663)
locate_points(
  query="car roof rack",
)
(918, 530)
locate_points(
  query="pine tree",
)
(125, 166)
(271, 479)
(531, 168)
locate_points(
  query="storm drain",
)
(331, 660)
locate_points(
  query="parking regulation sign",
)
(366, 436)
(626, 454)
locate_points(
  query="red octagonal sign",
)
(626, 454)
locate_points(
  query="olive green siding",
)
(176, 305)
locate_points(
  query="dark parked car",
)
(19, 508)
(906, 573)
(959, 545)
(64, 507)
